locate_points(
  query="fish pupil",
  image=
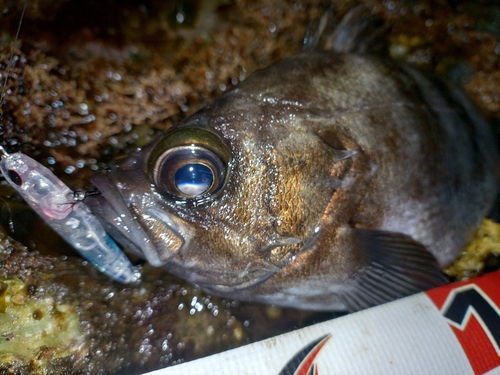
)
(14, 177)
(194, 179)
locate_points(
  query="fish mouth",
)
(126, 223)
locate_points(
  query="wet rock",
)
(91, 81)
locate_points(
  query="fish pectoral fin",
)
(396, 266)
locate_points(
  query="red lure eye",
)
(14, 177)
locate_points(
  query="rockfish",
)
(326, 181)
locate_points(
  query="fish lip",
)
(239, 281)
(221, 288)
(111, 209)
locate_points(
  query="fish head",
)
(225, 199)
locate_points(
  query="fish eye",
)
(189, 164)
(188, 172)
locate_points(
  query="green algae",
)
(473, 260)
(30, 325)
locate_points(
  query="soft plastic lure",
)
(58, 205)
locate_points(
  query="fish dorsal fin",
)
(317, 29)
(396, 266)
(361, 30)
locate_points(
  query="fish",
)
(326, 181)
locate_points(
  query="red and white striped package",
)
(454, 329)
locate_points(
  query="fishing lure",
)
(65, 212)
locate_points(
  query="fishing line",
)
(11, 59)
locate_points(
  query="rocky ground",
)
(92, 80)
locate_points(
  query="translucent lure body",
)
(71, 219)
